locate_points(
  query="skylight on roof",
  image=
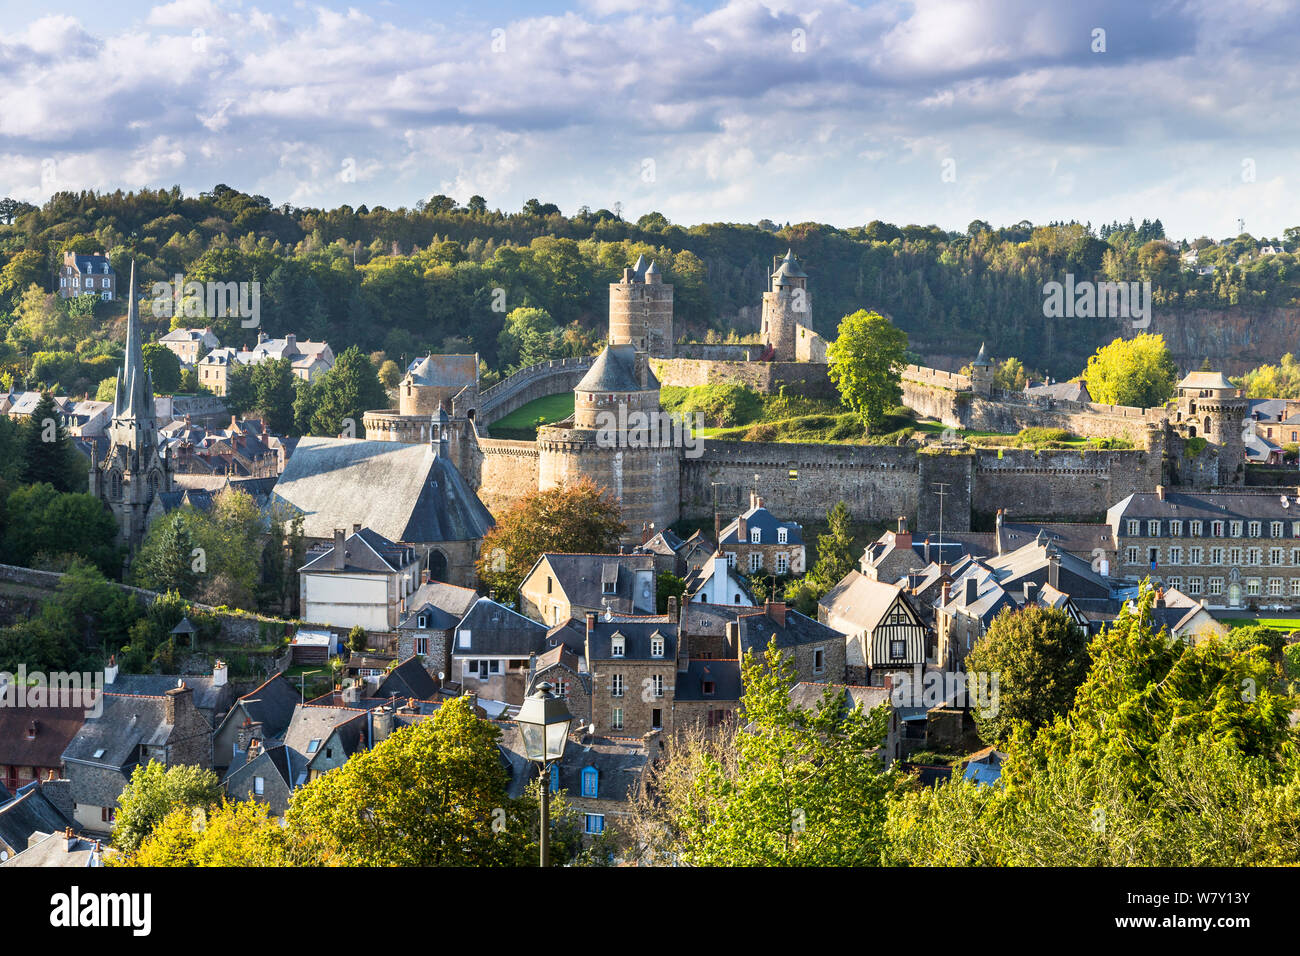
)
(313, 746)
(99, 753)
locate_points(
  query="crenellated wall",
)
(799, 378)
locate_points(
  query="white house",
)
(363, 580)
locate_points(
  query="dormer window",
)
(607, 587)
(616, 646)
(464, 638)
(708, 687)
(755, 536)
(782, 535)
(656, 647)
(422, 621)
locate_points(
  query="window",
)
(1216, 555)
(1295, 555)
(608, 587)
(1175, 555)
(1153, 529)
(494, 667)
(1252, 529)
(617, 721)
(1234, 555)
(1134, 528)
(656, 647)
(1131, 555)
(897, 649)
(1153, 556)
(1216, 585)
(259, 785)
(1274, 556)
(657, 685)
(1194, 585)
(616, 685)
(1275, 587)
(1295, 529)
(782, 535)
(313, 746)
(731, 559)
(755, 536)
(819, 660)
(616, 646)
(1235, 528)
(422, 621)
(590, 782)
(1175, 529)
(708, 685)
(1175, 583)
(1255, 556)
(550, 582)
(1275, 529)
(422, 646)
(594, 823)
(1252, 586)
(109, 814)
(1216, 529)
(656, 719)
(782, 563)
(755, 561)
(63, 281)
(1197, 529)
(1295, 587)
(464, 638)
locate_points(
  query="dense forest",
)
(443, 276)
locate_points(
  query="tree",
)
(574, 519)
(48, 450)
(345, 393)
(164, 367)
(1040, 658)
(1137, 372)
(667, 585)
(274, 390)
(389, 374)
(166, 560)
(781, 787)
(241, 833)
(1272, 381)
(49, 528)
(835, 556)
(428, 795)
(530, 336)
(357, 638)
(153, 792)
(866, 362)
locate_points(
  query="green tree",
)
(274, 392)
(835, 557)
(1039, 658)
(163, 366)
(781, 787)
(345, 393)
(866, 362)
(153, 792)
(572, 519)
(667, 585)
(48, 450)
(357, 638)
(241, 833)
(166, 560)
(50, 528)
(1137, 372)
(389, 374)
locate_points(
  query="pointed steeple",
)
(134, 394)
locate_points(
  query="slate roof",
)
(1199, 380)
(363, 550)
(725, 675)
(53, 851)
(615, 371)
(759, 517)
(789, 266)
(758, 629)
(207, 697)
(28, 812)
(580, 576)
(860, 599)
(1206, 506)
(619, 760)
(402, 492)
(55, 729)
(1077, 537)
(309, 722)
(495, 630)
(272, 704)
(665, 543)
(636, 644)
(408, 679)
(696, 578)
(444, 371)
(806, 695)
(443, 605)
(126, 723)
(1269, 410)
(1065, 391)
(572, 635)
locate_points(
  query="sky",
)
(933, 111)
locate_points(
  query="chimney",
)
(356, 527)
(1054, 570)
(70, 839)
(242, 735)
(591, 624)
(914, 580)
(254, 749)
(219, 673)
(902, 537)
(674, 608)
(1160, 597)
(742, 529)
(733, 638)
(946, 591)
(927, 549)
(424, 576)
(645, 532)
(972, 591)
(110, 671)
(177, 701)
(339, 555)
(1160, 492)
(775, 610)
(683, 651)
(351, 694)
(1031, 592)
(381, 724)
(754, 500)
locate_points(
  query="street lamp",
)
(544, 727)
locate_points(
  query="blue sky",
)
(934, 111)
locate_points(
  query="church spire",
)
(134, 396)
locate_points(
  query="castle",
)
(1195, 440)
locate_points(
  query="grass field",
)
(1283, 624)
(521, 424)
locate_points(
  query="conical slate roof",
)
(981, 360)
(134, 394)
(639, 267)
(615, 371)
(790, 267)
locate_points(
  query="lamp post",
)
(544, 727)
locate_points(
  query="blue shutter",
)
(590, 782)
(555, 778)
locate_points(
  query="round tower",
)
(1209, 406)
(785, 306)
(981, 374)
(620, 438)
(641, 310)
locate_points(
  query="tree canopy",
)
(866, 362)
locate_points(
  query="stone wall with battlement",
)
(526, 385)
(799, 378)
(507, 470)
(1061, 483)
(703, 351)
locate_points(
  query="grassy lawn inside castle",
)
(522, 423)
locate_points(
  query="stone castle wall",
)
(507, 470)
(798, 378)
(536, 381)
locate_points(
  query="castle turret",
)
(641, 310)
(785, 307)
(981, 374)
(1208, 406)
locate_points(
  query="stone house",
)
(885, 632)
(28, 812)
(189, 345)
(633, 663)
(560, 587)
(261, 714)
(432, 613)
(757, 543)
(361, 580)
(568, 676)
(87, 275)
(132, 731)
(816, 649)
(491, 651)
